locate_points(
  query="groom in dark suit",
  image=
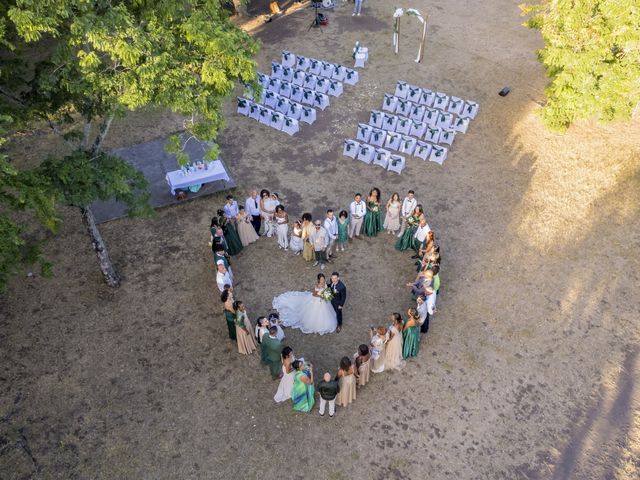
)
(339, 297)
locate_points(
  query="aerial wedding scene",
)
(328, 240)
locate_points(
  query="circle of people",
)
(235, 227)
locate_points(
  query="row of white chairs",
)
(407, 145)
(369, 154)
(296, 93)
(314, 66)
(430, 116)
(329, 71)
(270, 117)
(281, 105)
(406, 96)
(290, 90)
(380, 136)
(404, 126)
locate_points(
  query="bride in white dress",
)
(306, 310)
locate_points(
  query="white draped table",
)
(176, 179)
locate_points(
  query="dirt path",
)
(530, 369)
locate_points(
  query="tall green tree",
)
(592, 56)
(78, 64)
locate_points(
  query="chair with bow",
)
(335, 88)
(302, 63)
(307, 96)
(288, 59)
(447, 137)
(308, 115)
(243, 106)
(277, 120)
(389, 103)
(422, 150)
(290, 126)
(315, 66)
(460, 125)
(338, 73)
(417, 129)
(298, 78)
(389, 122)
(455, 106)
(285, 89)
(392, 141)
(351, 77)
(320, 100)
(414, 93)
(417, 112)
(407, 145)
(377, 137)
(322, 85)
(396, 164)
(427, 97)
(442, 101)
(276, 70)
(270, 99)
(404, 107)
(381, 157)
(401, 89)
(265, 116)
(403, 126)
(375, 119)
(282, 105)
(470, 110)
(295, 110)
(364, 132)
(366, 153)
(274, 85)
(438, 154)
(432, 135)
(350, 148)
(444, 120)
(310, 81)
(430, 117)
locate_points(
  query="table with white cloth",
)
(177, 179)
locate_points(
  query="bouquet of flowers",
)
(326, 294)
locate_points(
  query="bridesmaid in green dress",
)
(411, 335)
(372, 222)
(234, 245)
(343, 230)
(405, 242)
(229, 313)
(303, 391)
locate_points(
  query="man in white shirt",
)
(252, 207)
(357, 209)
(319, 240)
(420, 236)
(331, 226)
(431, 306)
(423, 315)
(230, 209)
(222, 277)
(408, 205)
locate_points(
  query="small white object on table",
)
(176, 179)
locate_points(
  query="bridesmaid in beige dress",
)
(363, 365)
(378, 341)
(392, 218)
(246, 232)
(393, 350)
(244, 331)
(347, 383)
(307, 229)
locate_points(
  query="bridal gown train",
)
(304, 311)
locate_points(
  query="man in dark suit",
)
(339, 297)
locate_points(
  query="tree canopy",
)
(592, 56)
(77, 65)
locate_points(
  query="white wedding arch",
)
(412, 12)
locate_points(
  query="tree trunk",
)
(109, 273)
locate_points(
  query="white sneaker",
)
(315, 263)
(353, 14)
(322, 267)
(358, 14)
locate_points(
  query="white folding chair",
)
(392, 141)
(288, 59)
(432, 135)
(243, 106)
(470, 110)
(254, 111)
(302, 63)
(444, 120)
(364, 132)
(282, 105)
(401, 89)
(351, 77)
(442, 101)
(290, 126)
(338, 73)
(322, 85)
(360, 55)
(408, 144)
(389, 122)
(315, 66)
(270, 99)
(277, 120)
(265, 116)
(263, 80)
(396, 164)
(417, 129)
(310, 81)
(366, 153)
(307, 96)
(414, 93)
(274, 85)
(427, 97)
(460, 125)
(417, 112)
(378, 137)
(422, 150)
(335, 88)
(430, 117)
(308, 115)
(287, 74)
(320, 100)
(381, 157)
(276, 70)
(438, 154)
(455, 105)
(404, 107)
(296, 93)
(375, 118)
(298, 78)
(403, 126)
(389, 103)
(350, 148)
(447, 137)
(285, 89)
(327, 69)
(295, 110)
